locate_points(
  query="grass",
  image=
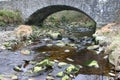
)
(10, 17)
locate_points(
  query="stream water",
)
(79, 58)
(76, 55)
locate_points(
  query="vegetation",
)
(66, 17)
(10, 17)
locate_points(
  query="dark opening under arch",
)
(40, 15)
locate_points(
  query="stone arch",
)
(40, 15)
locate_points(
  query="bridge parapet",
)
(102, 11)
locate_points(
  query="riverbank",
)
(109, 36)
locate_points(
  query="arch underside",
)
(40, 15)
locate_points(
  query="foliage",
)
(67, 17)
(35, 35)
(10, 17)
(2, 24)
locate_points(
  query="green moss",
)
(66, 77)
(91, 63)
(45, 62)
(10, 17)
(60, 74)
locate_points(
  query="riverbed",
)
(69, 50)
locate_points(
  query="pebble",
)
(80, 66)
(105, 57)
(62, 64)
(31, 79)
(14, 77)
(65, 40)
(44, 52)
(46, 39)
(66, 50)
(94, 47)
(56, 61)
(72, 45)
(2, 47)
(50, 78)
(112, 74)
(61, 44)
(72, 76)
(49, 45)
(26, 52)
(69, 59)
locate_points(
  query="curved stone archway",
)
(40, 15)
(102, 11)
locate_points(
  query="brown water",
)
(57, 53)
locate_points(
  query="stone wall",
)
(102, 11)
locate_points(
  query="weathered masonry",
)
(35, 11)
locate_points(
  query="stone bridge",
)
(35, 11)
